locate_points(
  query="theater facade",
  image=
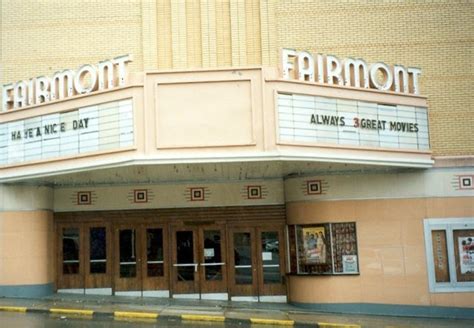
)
(312, 181)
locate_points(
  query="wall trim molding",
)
(26, 291)
(391, 310)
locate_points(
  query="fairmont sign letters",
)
(86, 79)
(352, 72)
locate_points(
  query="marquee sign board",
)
(323, 120)
(83, 130)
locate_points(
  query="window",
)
(329, 248)
(450, 254)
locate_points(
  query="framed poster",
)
(349, 264)
(314, 245)
(463, 240)
(466, 254)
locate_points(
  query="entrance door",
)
(271, 264)
(98, 264)
(198, 263)
(155, 261)
(128, 271)
(243, 263)
(84, 255)
(257, 263)
(70, 258)
(140, 265)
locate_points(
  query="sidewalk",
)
(245, 312)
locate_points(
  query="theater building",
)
(240, 150)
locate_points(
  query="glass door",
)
(128, 269)
(84, 257)
(185, 277)
(212, 263)
(155, 274)
(271, 264)
(257, 263)
(243, 264)
(98, 264)
(199, 263)
(70, 258)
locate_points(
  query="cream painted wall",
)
(391, 251)
(25, 198)
(26, 236)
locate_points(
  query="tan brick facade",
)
(39, 38)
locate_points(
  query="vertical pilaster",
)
(268, 32)
(238, 32)
(253, 32)
(223, 33)
(208, 33)
(193, 33)
(149, 34)
(164, 49)
(178, 33)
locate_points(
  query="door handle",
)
(195, 265)
(212, 264)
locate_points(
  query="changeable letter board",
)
(322, 120)
(88, 129)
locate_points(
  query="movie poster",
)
(314, 245)
(466, 254)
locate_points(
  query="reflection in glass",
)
(185, 255)
(271, 257)
(71, 250)
(154, 252)
(128, 261)
(242, 258)
(212, 254)
(98, 250)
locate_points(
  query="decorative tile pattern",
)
(314, 187)
(466, 182)
(462, 182)
(254, 192)
(198, 194)
(84, 198)
(140, 196)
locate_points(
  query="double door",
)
(140, 268)
(199, 262)
(219, 262)
(257, 262)
(84, 257)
